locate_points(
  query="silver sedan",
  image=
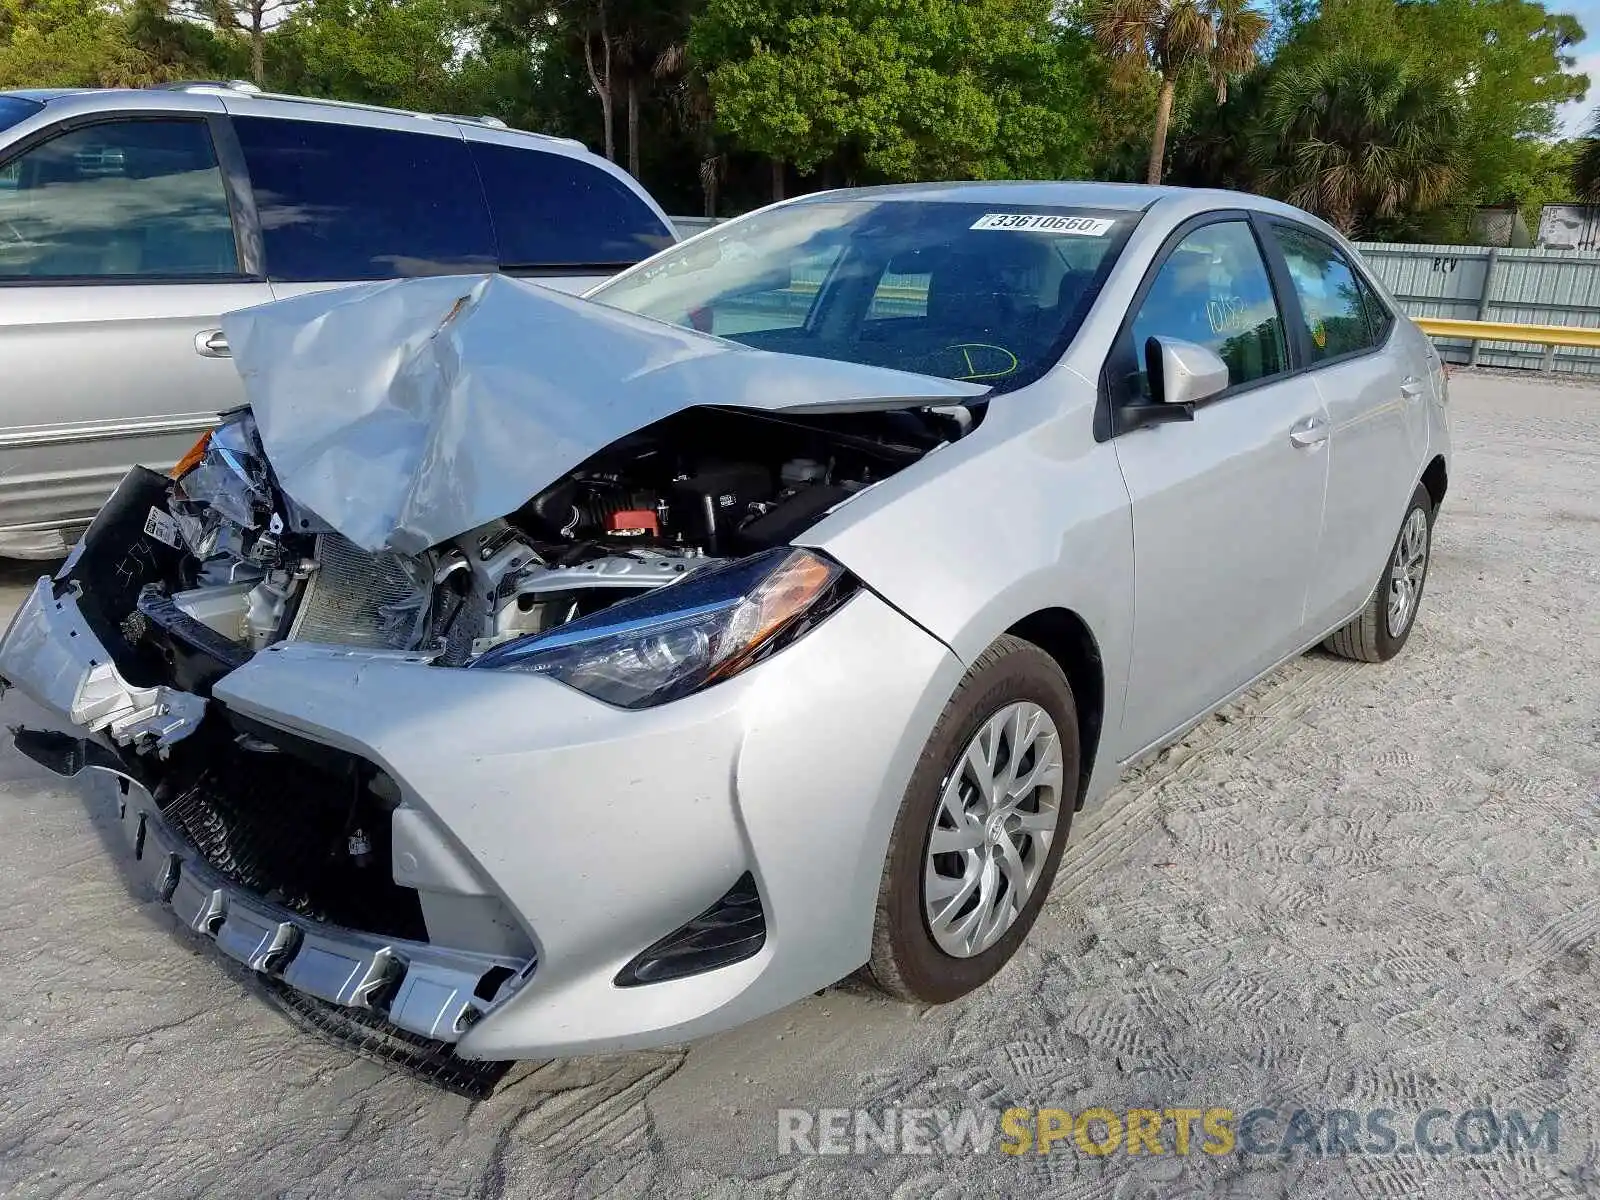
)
(525, 675)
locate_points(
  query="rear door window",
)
(553, 210)
(117, 200)
(1341, 315)
(344, 202)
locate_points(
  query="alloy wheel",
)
(1407, 572)
(992, 829)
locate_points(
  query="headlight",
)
(681, 638)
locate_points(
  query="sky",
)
(1574, 117)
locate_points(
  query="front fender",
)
(1026, 513)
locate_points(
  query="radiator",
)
(359, 599)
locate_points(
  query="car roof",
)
(1070, 193)
(240, 98)
(173, 94)
(41, 94)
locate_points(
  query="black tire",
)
(1368, 638)
(906, 961)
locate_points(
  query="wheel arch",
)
(1066, 637)
(1436, 479)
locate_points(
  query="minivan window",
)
(552, 210)
(343, 202)
(121, 199)
(14, 109)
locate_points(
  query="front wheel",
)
(1380, 630)
(981, 828)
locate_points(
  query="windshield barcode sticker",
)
(162, 527)
(1046, 223)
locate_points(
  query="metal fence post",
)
(1483, 301)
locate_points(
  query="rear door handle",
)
(212, 343)
(1411, 387)
(1308, 433)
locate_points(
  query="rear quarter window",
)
(345, 202)
(554, 210)
(14, 109)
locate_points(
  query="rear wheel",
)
(981, 828)
(1382, 627)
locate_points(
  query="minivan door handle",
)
(212, 343)
(1308, 433)
(1411, 387)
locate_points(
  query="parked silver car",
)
(130, 221)
(535, 675)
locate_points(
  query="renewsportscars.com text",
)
(1286, 1132)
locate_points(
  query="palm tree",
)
(1352, 138)
(689, 100)
(1586, 166)
(1172, 37)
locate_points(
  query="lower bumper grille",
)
(282, 830)
(424, 997)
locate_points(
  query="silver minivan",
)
(131, 220)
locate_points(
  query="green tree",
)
(1173, 38)
(1354, 138)
(248, 20)
(1506, 64)
(899, 89)
(69, 43)
(1548, 179)
(408, 55)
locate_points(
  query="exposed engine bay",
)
(699, 488)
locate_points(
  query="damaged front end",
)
(301, 861)
(653, 563)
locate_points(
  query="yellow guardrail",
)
(1509, 331)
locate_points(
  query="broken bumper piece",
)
(431, 991)
(51, 654)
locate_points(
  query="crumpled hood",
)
(405, 413)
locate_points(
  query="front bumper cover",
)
(51, 654)
(597, 831)
(54, 656)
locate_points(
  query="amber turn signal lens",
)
(192, 459)
(781, 598)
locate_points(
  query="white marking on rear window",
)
(1046, 223)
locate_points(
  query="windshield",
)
(14, 109)
(985, 292)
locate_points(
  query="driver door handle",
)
(1308, 433)
(1411, 387)
(212, 343)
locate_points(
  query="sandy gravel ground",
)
(1360, 887)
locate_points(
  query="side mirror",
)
(1183, 372)
(1180, 374)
